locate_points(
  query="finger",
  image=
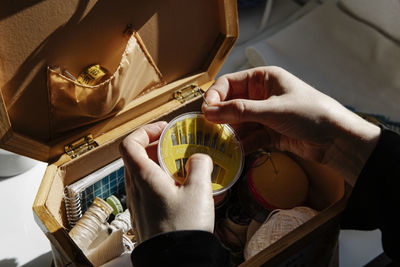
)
(140, 166)
(152, 151)
(131, 199)
(132, 148)
(147, 178)
(241, 110)
(212, 96)
(198, 168)
(257, 83)
(197, 191)
(144, 135)
(227, 85)
(150, 178)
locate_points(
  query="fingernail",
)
(211, 112)
(209, 108)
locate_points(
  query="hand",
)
(156, 203)
(275, 109)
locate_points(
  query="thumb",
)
(238, 110)
(198, 168)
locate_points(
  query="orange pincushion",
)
(277, 181)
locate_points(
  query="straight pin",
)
(202, 95)
(272, 162)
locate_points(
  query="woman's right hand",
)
(272, 108)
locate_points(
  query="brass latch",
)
(187, 93)
(80, 146)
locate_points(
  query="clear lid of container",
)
(191, 133)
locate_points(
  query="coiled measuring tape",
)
(92, 75)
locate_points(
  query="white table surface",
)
(22, 243)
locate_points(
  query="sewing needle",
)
(202, 95)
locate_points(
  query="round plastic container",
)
(191, 133)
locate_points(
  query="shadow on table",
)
(12, 262)
(42, 260)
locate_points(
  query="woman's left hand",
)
(157, 204)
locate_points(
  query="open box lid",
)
(185, 41)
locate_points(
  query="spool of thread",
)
(238, 221)
(278, 224)
(122, 221)
(253, 227)
(129, 245)
(87, 228)
(115, 204)
(232, 229)
(122, 200)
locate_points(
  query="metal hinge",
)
(187, 93)
(80, 146)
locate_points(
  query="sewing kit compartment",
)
(71, 93)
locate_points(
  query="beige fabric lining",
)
(73, 105)
(111, 247)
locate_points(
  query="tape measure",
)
(191, 133)
(92, 75)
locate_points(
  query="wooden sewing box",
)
(188, 42)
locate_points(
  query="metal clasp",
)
(80, 146)
(187, 93)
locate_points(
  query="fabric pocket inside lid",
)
(74, 105)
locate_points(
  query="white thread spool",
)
(278, 224)
(122, 221)
(86, 230)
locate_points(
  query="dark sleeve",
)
(181, 248)
(375, 200)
